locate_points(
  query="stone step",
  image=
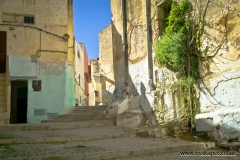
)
(3, 116)
(85, 112)
(82, 118)
(88, 108)
(57, 126)
(2, 77)
(2, 109)
(2, 84)
(77, 115)
(2, 96)
(3, 122)
(3, 105)
(3, 92)
(68, 135)
(137, 152)
(105, 149)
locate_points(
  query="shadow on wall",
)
(130, 101)
(107, 92)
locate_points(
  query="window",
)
(28, 19)
(37, 85)
(78, 55)
(17, 18)
(163, 11)
(96, 93)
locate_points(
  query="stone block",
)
(120, 120)
(178, 132)
(142, 133)
(161, 132)
(176, 128)
(134, 119)
(123, 107)
(184, 131)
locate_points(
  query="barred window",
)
(17, 18)
(28, 19)
(96, 93)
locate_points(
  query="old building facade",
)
(140, 82)
(37, 64)
(79, 84)
(95, 86)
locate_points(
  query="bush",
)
(170, 50)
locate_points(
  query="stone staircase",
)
(3, 98)
(84, 113)
(86, 133)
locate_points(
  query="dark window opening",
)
(163, 13)
(96, 93)
(37, 85)
(78, 55)
(29, 20)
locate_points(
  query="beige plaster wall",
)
(39, 47)
(106, 64)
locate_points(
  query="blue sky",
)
(90, 17)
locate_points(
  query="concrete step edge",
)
(60, 139)
(75, 120)
(76, 115)
(3, 116)
(105, 155)
(55, 127)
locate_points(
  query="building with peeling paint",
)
(95, 86)
(106, 64)
(140, 94)
(81, 75)
(36, 78)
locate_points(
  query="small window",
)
(78, 55)
(96, 93)
(28, 19)
(17, 18)
(37, 85)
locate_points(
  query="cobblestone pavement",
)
(80, 134)
(90, 143)
(93, 149)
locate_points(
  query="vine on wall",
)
(181, 47)
(176, 50)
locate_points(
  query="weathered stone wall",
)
(134, 85)
(117, 49)
(79, 73)
(220, 76)
(106, 64)
(218, 95)
(38, 51)
(96, 85)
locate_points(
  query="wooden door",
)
(3, 42)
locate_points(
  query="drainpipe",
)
(125, 48)
(149, 49)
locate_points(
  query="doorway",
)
(3, 42)
(19, 99)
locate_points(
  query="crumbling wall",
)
(106, 64)
(221, 74)
(133, 88)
